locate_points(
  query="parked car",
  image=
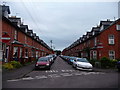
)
(43, 62)
(71, 60)
(66, 58)
(52, 57)
(82, 64)
(118, 65)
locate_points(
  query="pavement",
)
(17, 73)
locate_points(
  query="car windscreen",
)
(82, 60)
(43, 59)
(66, 56)
(73, 58)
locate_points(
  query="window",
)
(81, 54)
(15, 35)
(93, 33)
(26, 53)
(15, 52)
(102, 27)
(20, 52)
(91, 54)
(32, 53)
(111, 39)
(118, 27)
(36, 54)
(94, 54)
(26, 30)
(112, 54)
(95, 41)
(25, 39)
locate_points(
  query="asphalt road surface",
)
(63, 75)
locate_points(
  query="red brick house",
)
(102, 41)
(24, 45)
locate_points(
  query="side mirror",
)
(75, 60)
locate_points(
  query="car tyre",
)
(35, 68)
(48, 68)
(76, 67)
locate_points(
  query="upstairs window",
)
(15, 35)
(112, 54)
(102, 27)
(118, 27)
(26, 39)
(95, 41)
(111, 39)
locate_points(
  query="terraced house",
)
(23, 45)
(101, 41)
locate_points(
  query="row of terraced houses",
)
(24, 45)
(102, 41)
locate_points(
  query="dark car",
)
(66, 58)
(43, 62)
(52, 57)
(118, 65)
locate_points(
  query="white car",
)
(82, 64)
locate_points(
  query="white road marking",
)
(66, 74)
(40, 77)
(14, 80)
(77, 74)
(51, 71)
(28, 78)
(63, 70)
(67, 70)
(54, 75)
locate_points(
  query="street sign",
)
(5, 38)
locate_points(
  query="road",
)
(63, 75)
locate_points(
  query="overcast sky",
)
(62, 22)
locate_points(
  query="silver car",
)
(82, 64)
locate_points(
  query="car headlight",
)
(47, 64)
(36, 64)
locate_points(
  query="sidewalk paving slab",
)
(17, 73)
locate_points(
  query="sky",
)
(63, 22)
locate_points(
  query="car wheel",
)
(48, 68)
(35, 68)
(73, 66)
(76, 67)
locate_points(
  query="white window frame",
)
(26, 53)
(15, 51)
(111, 54)
(117, 27)
(36, 54)
(111, 39)
(21, 52)
(15, 35)
(102, 27)
(95, 41)
(81, 54)
(25, 39)
(91, 52)
(94, 54)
